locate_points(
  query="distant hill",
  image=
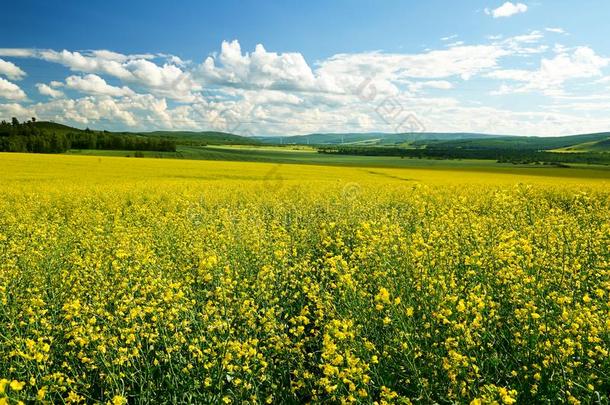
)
(585, 143)
(207, 137)
(368, 138)
(54, 127)
(181, 137)
(595, 145)
(598, 142)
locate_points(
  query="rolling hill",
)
(585, 148)
(181, 137)
(204, 137)
(597, 142)
(368, 138)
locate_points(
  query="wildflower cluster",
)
(172, 291)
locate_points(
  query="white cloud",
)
(456, 43)
(549, 78)
(348, 71)
(511, 74)
(433, 84)
(259, 69)
(175, 60)
(9, 110)
(93, 84)
(523, 45)
(47, 90)
(84, 111)
(555, 30)
(287, 72)
(533, 36)
(264, 92)
(10, 70)
(449, 37)
(583, 62)
(168, 80)
(258, 97)
(104, 54)
(11, 91)
(18, 52)
(507, 9)
(83, 63)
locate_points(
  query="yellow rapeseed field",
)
(165, 281)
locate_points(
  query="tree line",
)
(502, 155)
(30, 136)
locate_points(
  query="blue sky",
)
(296, 67)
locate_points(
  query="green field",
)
(305, 155)
(451, 150)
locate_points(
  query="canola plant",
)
(138, 281)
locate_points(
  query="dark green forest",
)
(30, 137)
(500, 154)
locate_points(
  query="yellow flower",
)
(41, 393)
(383, 296)
(17, 385)
(119, 400)
(73, 397)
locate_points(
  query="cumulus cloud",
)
(86, 110)
(433, 84)
(18, 52)
(549, 78)
(168, 80)
(507, 9)
(93, 84)
(259, 69)
(11, 91)
(47, 90)
(348, 71)
(263, 92)
(342, 73)
(8, 110)
(83, 63)
(10, 70)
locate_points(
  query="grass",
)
(593, 146)
(304, 155)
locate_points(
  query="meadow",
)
(178, 281)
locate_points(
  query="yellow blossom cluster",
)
(215, 289)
